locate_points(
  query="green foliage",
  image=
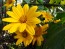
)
(55, 37)
(62, 2)
(61, 16)
(58, 1)
(27, 1)
(40, 1)
(51, 1)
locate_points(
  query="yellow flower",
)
(48, 17)
(26, 38)
(56, 21)
(38, 40)
(22, 19)
(23, 37)
(9, 3)
(39, 31)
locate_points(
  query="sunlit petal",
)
(26, 8)
(19, 41)
(9, 20)
(22, 27)
(31, 11)
(30, 30)
(14, 28)
(7, 27)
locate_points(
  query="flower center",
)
(23, 19)
(38, 32)
(24, 34)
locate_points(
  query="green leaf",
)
(40, 1)
(61, 16)
(63, 2)
(55, 37)
(27, 1)
(52, 1)
(57, 1)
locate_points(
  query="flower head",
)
(39, 31)
(9, 3)
(23, 37)
(22, 19)
(48, 17)
(26, 38)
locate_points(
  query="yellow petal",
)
(46, 20)
(42, 39)
(26, 43)
(16, 12)
(34, 40)
(17, 36)
(56, 21)
(20, 9)
(36, 21)
(36, 14)
(39, 43)
(26, 8)
(19, 41)
(14, 28)
(45, 27)
(33, 21)
(30, 30)
(9, 20)
(10, 5)
(10, 13)
(31, 11)
(39, 40)
(7, 6)
(30, 38)
(7, 27)
(22, 27)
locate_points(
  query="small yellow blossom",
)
(22, 19)
(48, 17)
(9, 3)
(56, 21)
(23, 37)
(39, 31)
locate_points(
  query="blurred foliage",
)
(62, 17)
(27, 1)
(55, 37)
(62, 2)
(55, 1)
